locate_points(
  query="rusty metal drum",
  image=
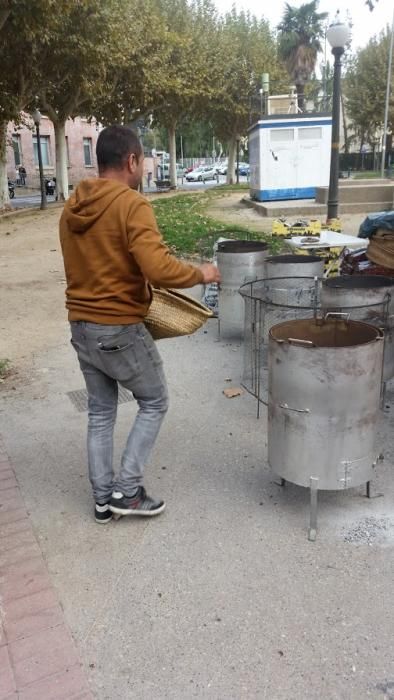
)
(323, 401)
(238, 262)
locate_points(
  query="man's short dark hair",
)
(114, 145)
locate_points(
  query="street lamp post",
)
(37, 119)
(338, 34)
(238, 138)
(261, 91)
(265, 81)
(386, 109)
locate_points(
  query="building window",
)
(45, 150)
(16, 145)
(87, 151)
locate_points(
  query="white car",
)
(222, 168)
(205, 172)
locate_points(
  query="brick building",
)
(81, 137)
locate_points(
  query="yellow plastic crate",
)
(281, 229)
(333, 225)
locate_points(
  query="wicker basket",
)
(381, 249)
(172, 314)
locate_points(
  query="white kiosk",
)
(289, 156)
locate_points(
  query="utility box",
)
(289, 156)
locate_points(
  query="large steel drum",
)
(323, 403)
(294, 266)
(238, 262)
(363, 291)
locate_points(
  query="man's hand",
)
(210, 273)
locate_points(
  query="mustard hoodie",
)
(112, 250)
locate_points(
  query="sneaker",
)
(102, 513)
(139, 504)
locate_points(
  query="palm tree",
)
(300, 32)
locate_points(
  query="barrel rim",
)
(373, 332)
(241, 246)
(359, 282)
(294, 258)
(246, 292)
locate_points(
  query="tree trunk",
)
(4, 198)
(300, 97)
(172, 149)
(232, 147)
(61, 161)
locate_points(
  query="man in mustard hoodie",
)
(112, 250)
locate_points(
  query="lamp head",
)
(36, 116)
(338, 33)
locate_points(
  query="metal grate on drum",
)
(79, 398)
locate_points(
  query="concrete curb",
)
(28, 210)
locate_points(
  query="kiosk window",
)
(311, 132)
(282, 134)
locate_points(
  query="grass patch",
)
(187, 230)
(242, 187)
(367, 175)
(4, 367)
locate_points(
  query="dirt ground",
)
(230, 210)
(32, 313)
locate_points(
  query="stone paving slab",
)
(38, 656)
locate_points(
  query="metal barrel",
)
(294, 266)
(365, 293)
(238, 262)
(270, 301)
(323, 401)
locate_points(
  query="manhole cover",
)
(79, 398)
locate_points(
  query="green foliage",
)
(367, 175)
(188, 230)
(364, 89)
(86, 38)
(300, 32)
(25, 31)
(246, 49)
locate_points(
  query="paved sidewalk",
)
(38, 657)
(222, 597)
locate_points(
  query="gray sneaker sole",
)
(135, 511)
(104, 522)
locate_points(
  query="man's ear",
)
(131, 163)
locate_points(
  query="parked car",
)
(205, 172)
(222, 170)
(244, 169)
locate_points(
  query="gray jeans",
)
(128, 355)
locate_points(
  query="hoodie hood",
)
(89, 202)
